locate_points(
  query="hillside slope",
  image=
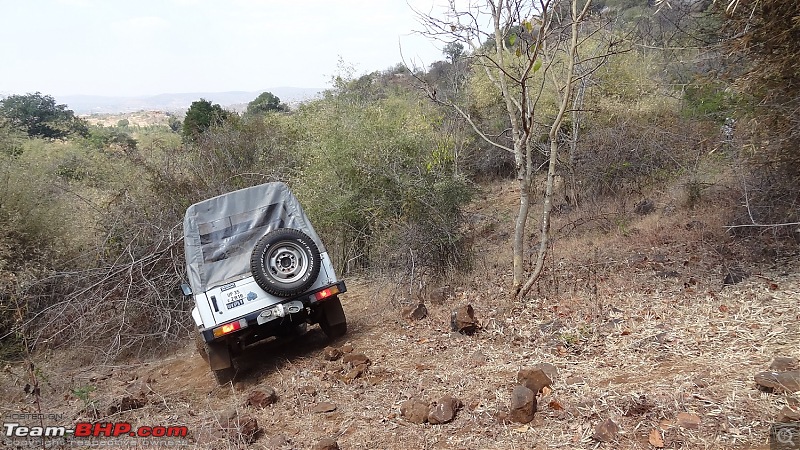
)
(633, 322)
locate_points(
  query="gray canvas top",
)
(220, 233)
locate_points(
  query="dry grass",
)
(632, 312)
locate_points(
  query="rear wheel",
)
(200, 345)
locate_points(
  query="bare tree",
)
(522, 46)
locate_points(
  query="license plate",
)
(234, 304)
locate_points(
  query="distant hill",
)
(94, 104)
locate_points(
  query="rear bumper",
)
(285, 308)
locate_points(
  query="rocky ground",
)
(660, 332)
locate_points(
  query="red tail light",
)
(229, 328)
(325, 293)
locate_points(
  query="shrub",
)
(630, 155)
(379, 182)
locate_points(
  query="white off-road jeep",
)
(257, 269)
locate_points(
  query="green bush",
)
(709, 100)
(378, 180)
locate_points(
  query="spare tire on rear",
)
(285, 262)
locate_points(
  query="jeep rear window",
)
(229, 236)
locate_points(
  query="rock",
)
(533, 379)
(239, 429)
(262, 398)
(789, 414)
(644, 207)
(788, 382)
(463, 320)
(414, 410)
(605, 431)
(734, 275)
(135, 397)
(248, 429)
(415, 312)
(129, 403)
(356, 359)
(347, 348)
(784, 364)
(323, 407)
(688, 420)
(550, 370)
(331, 353)
(523, 404)
(326, 444)
(354, 373)
(444, 410)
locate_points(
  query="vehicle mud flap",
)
(333, 312)
(333, 321)
(219, 356)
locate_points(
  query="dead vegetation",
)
(633, 313)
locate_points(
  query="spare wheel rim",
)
(287, 262)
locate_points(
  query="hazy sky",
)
(147, 47)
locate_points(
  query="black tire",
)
(285, 262)
(333, 321)
(200, 345)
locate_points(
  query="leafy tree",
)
(380, 180)
(175, 124)
(453, 51)
(200, 116)
(265, 103)
(101, 138)
(39, 116)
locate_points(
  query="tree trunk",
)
(544, 234)
(519, 234)
(571, 188)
